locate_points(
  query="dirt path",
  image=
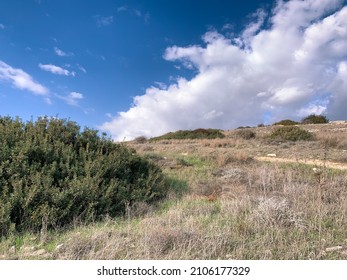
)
(316, 162)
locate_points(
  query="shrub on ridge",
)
(290, 133)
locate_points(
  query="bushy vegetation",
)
(286, 122)
(191, 134)
(219, 201)
(290, 133)
(52, 173)
(245, 134)
(140, 140)
(314, 119)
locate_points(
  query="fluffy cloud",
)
(22, 80)
(295, 65)
(56, 70)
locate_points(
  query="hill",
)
(235, 197)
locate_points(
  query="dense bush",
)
(286, 122)
(245, 134)
(291, 133)
(51, 172)
(140, 140)
(314, 119)
(191, 134)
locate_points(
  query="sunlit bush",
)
(191, 134)
(52, 173)
(290, 133)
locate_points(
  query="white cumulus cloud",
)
(285, 63)
(22, 80)
(56, 70)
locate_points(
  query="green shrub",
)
(245, 134)
(286, 122)
(314, 119)
(291, 133)
(51, 172)
(140, 140)
(191, 134)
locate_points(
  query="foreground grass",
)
(262, 211)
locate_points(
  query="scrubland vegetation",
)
(191, 134)
(291, 133)
(204, 199)
(314, 119)
(286, 122)
(51, 174)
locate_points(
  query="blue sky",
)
(135, 68)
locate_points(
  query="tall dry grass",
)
(236, 208)
(262, 211)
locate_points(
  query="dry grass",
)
(236, 208)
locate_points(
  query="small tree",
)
(314, 119)
(286, 122)
(140, 140)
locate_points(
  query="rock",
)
(28, 249)
(271, 155)
(317, 171)
(333, 249)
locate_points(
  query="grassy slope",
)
(235, 207)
